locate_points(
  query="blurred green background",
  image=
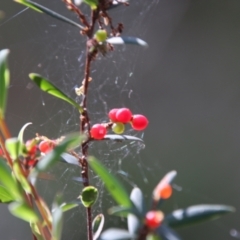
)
(187, 83)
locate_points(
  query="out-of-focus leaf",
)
(127, 40)
(70, 141)
(8, 181)
(36, 231)
(92, 3)
(133, 223)
(46, 86)
(23, 211)
(167, 233)
(57, 218)
(116, 234)
(68, 206)
(4, 81)
(120, 138)
(89, 196)
(166, 180)
(114, 187)
(14, 147)
(196, 214)
(138, 200)
(39, 8)
(20, 177)
(152, 236)
(97, 225)
(68, 158)
(121, 211)
(20, 134)
(5, 195)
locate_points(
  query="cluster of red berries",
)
(119, 117)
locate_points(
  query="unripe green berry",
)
(118, 128)
(101, 35)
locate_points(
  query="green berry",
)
(118, 128)
(101, 35)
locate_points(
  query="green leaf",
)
(39, 8)
(23, 211)
(20, 134)
(36, 231)
(5, 195)
(114, 187)
(116, 234)
(138, 200)
(127, 40)
(46, 86)
(4, 81)
(27, 4)
(70, 141)
(89, 196)
(120, 138)
(13, 147)
(97, 226)
(121, 211)
(20, 177)
(152, 236)
(167, 233)
(133, 223)
(57, 218)
(196, 214)
(8, 180)
(92, 3)
(68, 206)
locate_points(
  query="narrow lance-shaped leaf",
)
(46, 86)
(127, 40)
(23, 211)
(8, 181)
(68, 206)
(92, 3)
(122, 211)
(5, 195)
(13, 147)
(57, 218)
(167, 233)
(116, 234)
(114, 187)
(97, 226)
(196, 214)
(116, 137)
(4, 81)
(20, 134)
(39, 8)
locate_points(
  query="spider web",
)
(57, 51)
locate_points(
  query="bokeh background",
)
(187, 83)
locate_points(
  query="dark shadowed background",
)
(187, 83)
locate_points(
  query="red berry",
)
(98, 131)
(123, 115)
(31, 162)
(46, 145)
(153, 219)
(31, 147)
(139, 122)
(112, 115)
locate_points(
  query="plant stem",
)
(4, 129)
